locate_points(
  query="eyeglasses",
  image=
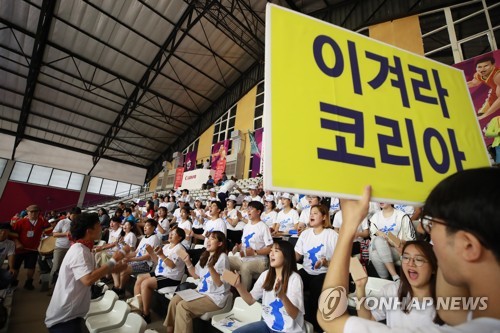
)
(427, 222)
(419, 261)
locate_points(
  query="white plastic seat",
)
(103, 305)
(133, 324)
(109, 320)
(226, 308)
(309, 327)
(241, 312)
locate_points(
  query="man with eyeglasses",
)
(29, 232)
(461, 216)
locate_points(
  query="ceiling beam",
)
(239, 88)
(174, 39)
(41, 37)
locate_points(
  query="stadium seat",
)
(226, 308)
(109, 320)
(241, 312)
(133, 324)
(103, 305)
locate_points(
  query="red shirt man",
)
(29, 232)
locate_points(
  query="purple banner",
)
(190, 160)
(256, 162)
(483, 75)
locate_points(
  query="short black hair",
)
(76, 210)
(116, 219)
(486, 59)
(218, 203)
(152, 222)
(82, 223)
(5, 226)
(468, 200)
(128, 210)
(257, 205)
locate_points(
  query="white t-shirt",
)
(257, 198)
(7, 248)
(165, 225)
(273, 310)
(71, 297)
(162, 269)
(207, 286)
(214, 225)
(418, 316)
(227, 186)
(141, 249)
(187, 226)
(196, 222)
(177, 215)
(233, 214)
(257, 236)
(392, 223)
(314, 247)
(334, 205)
(130, 239)
(269, 218)
(62, 226)
(337, 223)
(304, 215)
(288, 220)
(114, 235)
(479, 325)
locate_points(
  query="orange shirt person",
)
(487, 73)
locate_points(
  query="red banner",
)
(219, 169)
(179, 172)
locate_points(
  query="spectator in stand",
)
(185, 223)
(130, 238)
(119, 214)
(63, 235)
(103, 218)
(224, 176)
(29, 232)
(206, 164)
(280, 289)
(227, 188)
(288, 217)
(215, 291)
(254, 193)
(244, 209)
(169, 271)
(156, 201)
(383, 253)
(210, 182)
(163, 228)
(139, 261)
(171, 204)
(177, 213)
(232, 217)
(316, 245)
(150, 209)
(7, 251)
(269, 215)
(128, 216)
(255, 246)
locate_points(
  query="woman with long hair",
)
(168, 272)
(383, 252)
(215, 292)
(316, 245)
(130, 237)
(280, 288)
(416, 286)
(186, 224)
(163, 228)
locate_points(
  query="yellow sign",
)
(343, 111)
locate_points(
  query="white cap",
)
(286, 196)
(232, 197)
(247, 198)
(200, 199)
(212, 190)
(252, 187)
(214, 199)
(269, 197)
(181, 199)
